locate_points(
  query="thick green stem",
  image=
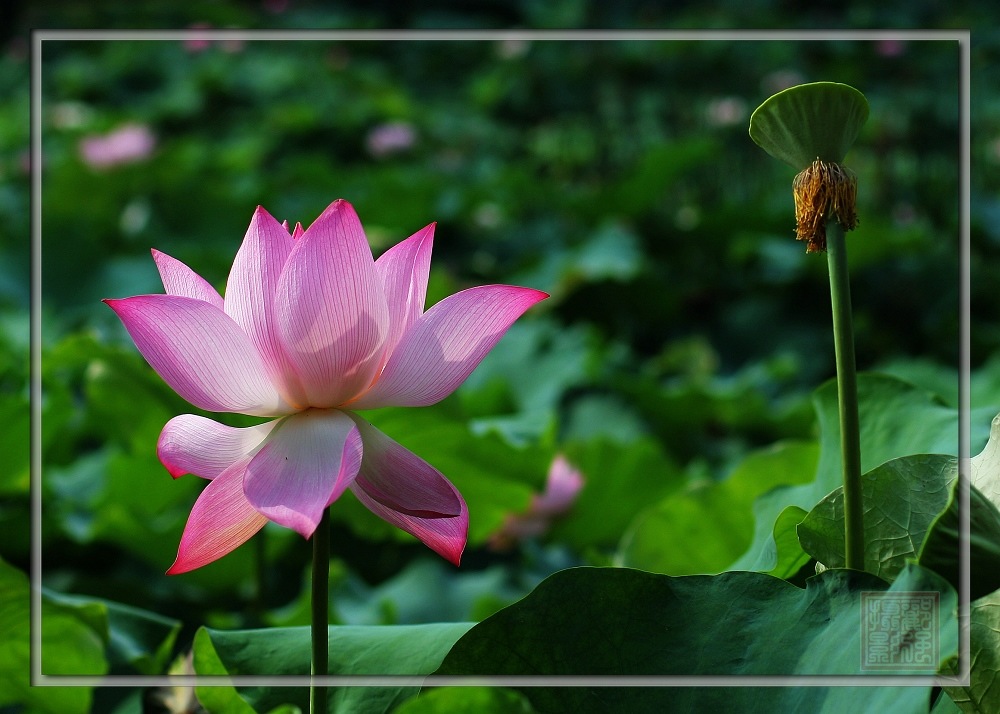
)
(847, 392)
(320, 612)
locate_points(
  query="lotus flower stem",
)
(811, 127)
(258, 603)
(847, 393)
(320, 612)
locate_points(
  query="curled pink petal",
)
(250, 297)
(400, 480)
(303, 467)
(201, 353)
(404, 270)
(404, 490)
(190, 444)
(222, 520)
(179, 279)
(330, 308)
(442, 348)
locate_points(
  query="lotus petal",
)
(442, 348)
(250, 298)
(191, 444)
(330, 308)
(221, 520)
(404, 270)
(404, 490)
(303, 467)
(179, 279)
(201, 353)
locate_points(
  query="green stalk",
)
(258, 603)
(847, 393)
(320, 612)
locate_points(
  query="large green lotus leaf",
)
(912, 511)
(897, 419)
(809, 121)
(982, 695)
(73, 639)
(787, 551)
(138, 640)
(15, 657)
(984, 381)
(357, 650)
(986, 465)
(619, 622)
(945, 705)
(902, 498)
(718, 517)
(427, 590)
(941, 546)
(79, 636)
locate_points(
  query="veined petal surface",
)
(303, 467)
(201, 353)
(330, 308)
(191, 444)
(402, 481)
(179, 279)
(442, 348)
(404, 270)
(221, 520)
(250, 297)
(404, 490)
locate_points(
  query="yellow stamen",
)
(823, 192)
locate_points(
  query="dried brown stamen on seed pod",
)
(823, 191)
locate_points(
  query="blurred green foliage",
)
(686, 329)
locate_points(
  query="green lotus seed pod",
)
(813, 121)
(811, 127)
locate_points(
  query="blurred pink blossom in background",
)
(561, 490)
(891, 48)
(726, 111)
(126, 144)
(390, 138)
(200, 38)
(197, 41)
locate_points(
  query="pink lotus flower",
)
(311, 330)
